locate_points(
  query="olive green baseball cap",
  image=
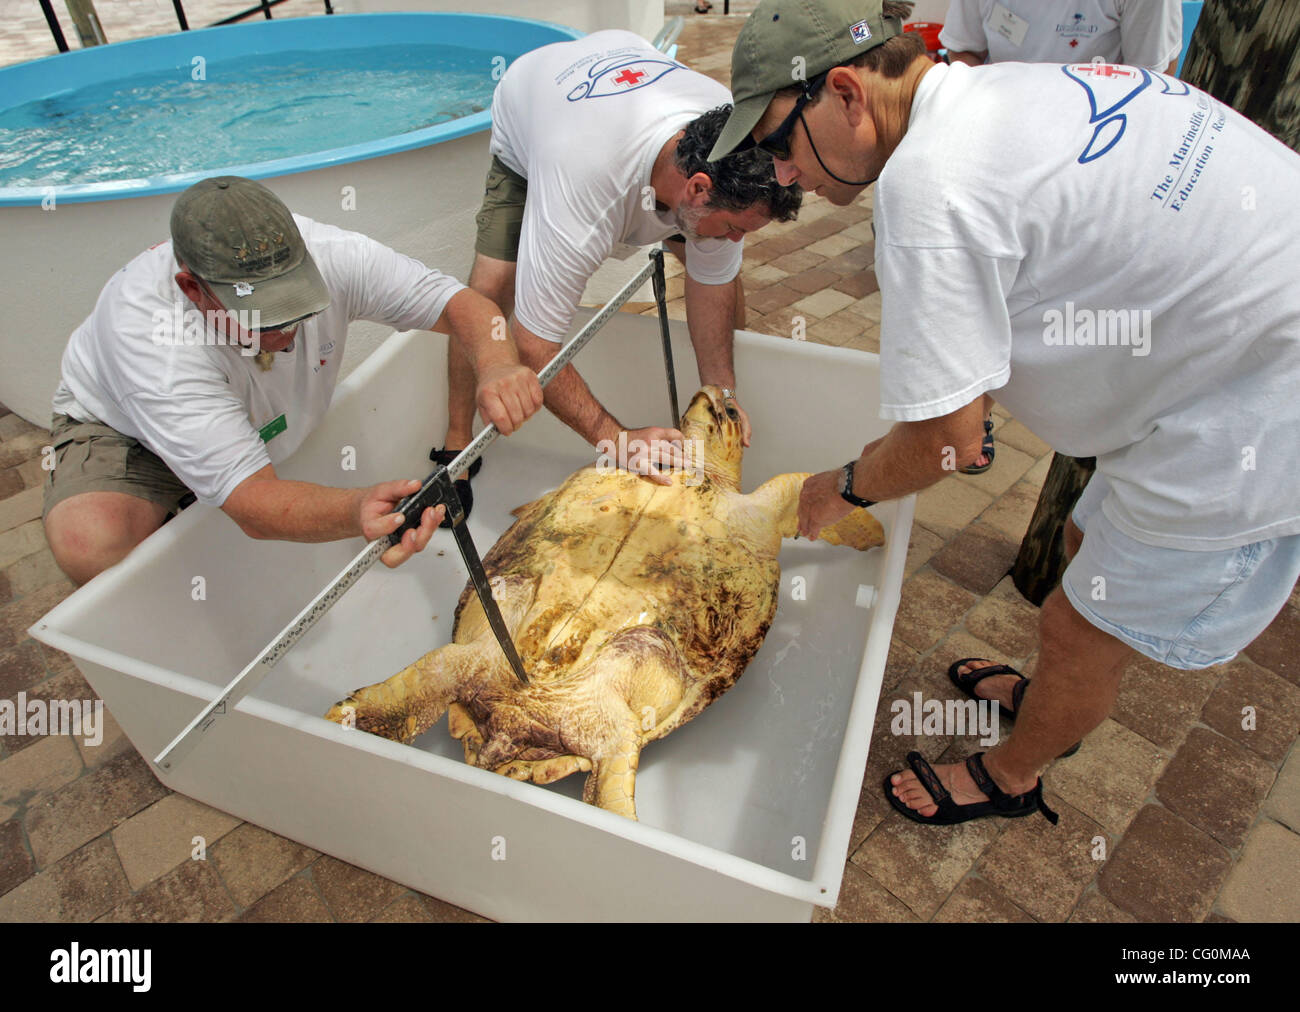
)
(240, 238)
(785, 42)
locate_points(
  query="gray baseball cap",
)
(238, 237)
(785, 42)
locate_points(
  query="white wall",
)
(645, 17)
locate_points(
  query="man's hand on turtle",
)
(652, 451)
(378, 519)
(508, 395)
(820, 503)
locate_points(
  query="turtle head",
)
(712, 430)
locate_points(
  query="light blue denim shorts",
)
(1184, 609)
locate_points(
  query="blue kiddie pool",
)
(340, 115)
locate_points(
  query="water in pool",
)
(242, 111)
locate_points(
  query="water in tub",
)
(219, 114)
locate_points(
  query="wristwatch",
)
(846, 487)
(729, 394)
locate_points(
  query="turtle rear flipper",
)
(612, 783)
(643, 684)
(539, 771)
(544, 771)
(414, 699)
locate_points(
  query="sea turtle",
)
(633, 606)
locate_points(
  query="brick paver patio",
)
(1172, 811)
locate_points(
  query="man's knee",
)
(1064, 633)
(90, 532)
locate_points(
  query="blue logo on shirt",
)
(1108, 122)
(1120, 85)
(619, 75)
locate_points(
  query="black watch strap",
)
(847, 494)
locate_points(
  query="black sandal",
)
(986, 448)
(967, 682)
(1009, 806)
(445, 457)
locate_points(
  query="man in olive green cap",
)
(1041, 233)
(209, 359)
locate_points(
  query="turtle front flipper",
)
(414, 699)
(860, 530)
(779, 498)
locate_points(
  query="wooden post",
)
(89, 30)
(1041, 560)
(1246, 53)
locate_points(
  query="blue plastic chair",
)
(1191, 14)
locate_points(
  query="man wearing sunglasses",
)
(1112, 253)
(210, 358)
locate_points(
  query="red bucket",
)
(929, 31)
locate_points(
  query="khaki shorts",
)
(90, 457)
(502, 214)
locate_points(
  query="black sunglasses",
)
(777, 143)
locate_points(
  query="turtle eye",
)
(733, 414)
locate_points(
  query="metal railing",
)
(263, 8)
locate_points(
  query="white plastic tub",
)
(745, 812)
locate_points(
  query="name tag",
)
(1009, 25)
(272, 429)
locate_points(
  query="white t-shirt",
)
(1143, 33)
(1115, 255)
(583, 122)
(201, 406)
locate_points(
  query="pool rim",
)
(118, 53)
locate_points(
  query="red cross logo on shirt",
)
(1107, 70)
(629, 77)
(1073, 43)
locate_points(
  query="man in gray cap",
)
(1083, 240)
(208, 359)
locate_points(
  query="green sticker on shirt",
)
(272, 429)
